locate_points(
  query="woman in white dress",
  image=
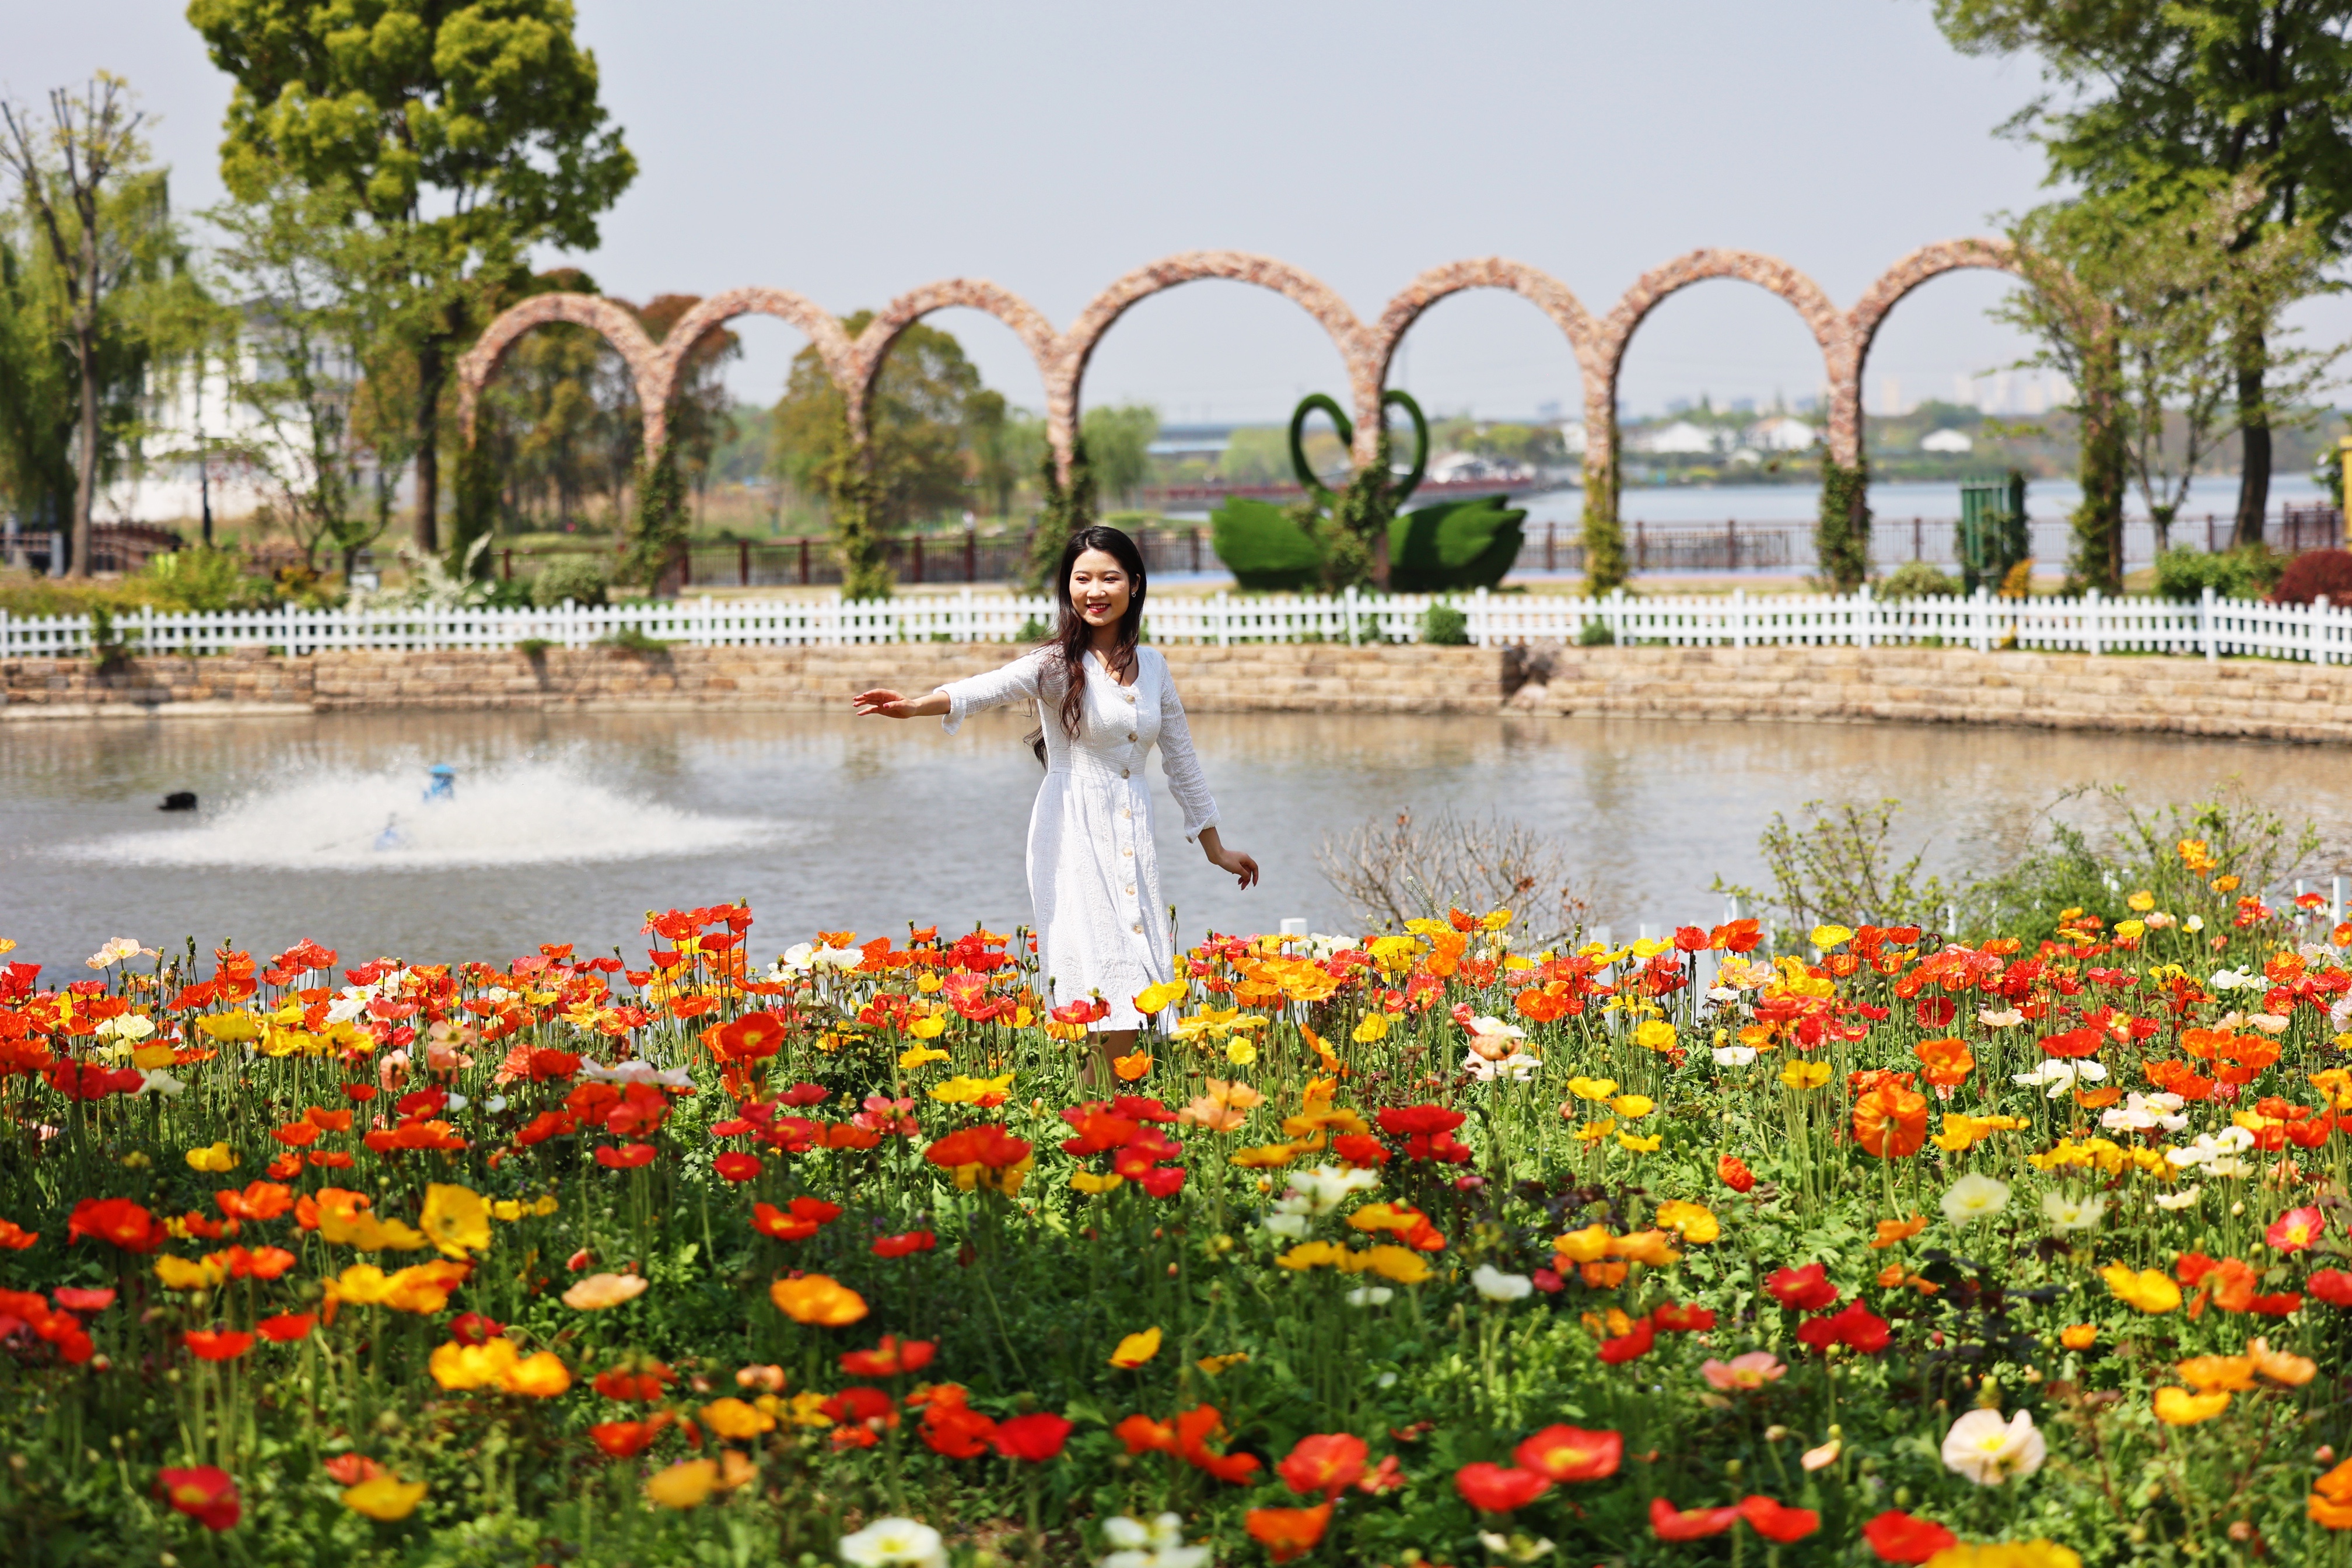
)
(1102, 702)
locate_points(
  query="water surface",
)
(569, 829)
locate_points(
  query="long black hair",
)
(1071, 636)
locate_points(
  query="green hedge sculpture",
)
(1453, 546)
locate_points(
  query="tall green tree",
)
(1119, 444)
(2147, 97)
(915, 464)
(96, 236)
(2150, 303)
(466, 131)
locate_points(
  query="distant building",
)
(1681, 439)
(1466, 467)
(1947, 441)
(1572, 436)
(1782, 434)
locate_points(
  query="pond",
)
(569, 829)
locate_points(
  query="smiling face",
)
(1101, 588)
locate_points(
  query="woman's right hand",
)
(885, 704)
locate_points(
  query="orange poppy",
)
(1948, 1062)
(1287, 1532)
(1891, 1121)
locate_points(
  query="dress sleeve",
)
(1016, 682)
(1179, 762)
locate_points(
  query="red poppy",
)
(216, 1344)
(77, 1299)
(259, 1200)
(624, 1440)
(1857, 1327)
(900, 1246)
(2333, 1286)
(987, 1144)
(955, 1430)
(15, 1237)
(203, 1492)
(1805, 1290)
(2073, 1043)
(1323, 1464)
(1035, 1438)
(737, 1167)
(1778, 1522)
(799, 1220)
(118, 1220)
(1669, 1522)
(1899, 1537)
(890, 1358)
(351, 1470)
(286, 1167)
(1193, 1428)
(627, 1157)
(1287, 1532)
(286, 1327)
(1419, 1121)
(752, 1037)
(643, 1384)
(1676, 1320)
(474, 1329)
(1630, 1346)
(1491, 1488)
(1733, 1172)
(547, 1124)
(1572, 1454)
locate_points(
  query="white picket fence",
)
(2212, 628)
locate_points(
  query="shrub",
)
(203, 579)
(1917, 580)
(1455, 545)
(1444, 625)
(2314, 573)
(1262, 548)
(1596, 633)
(582, 579)
(1033, 630)
(2245, 573)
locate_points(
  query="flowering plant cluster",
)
(1413, 1248)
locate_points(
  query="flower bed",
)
(1417, 1249)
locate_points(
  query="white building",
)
(1782, 434)
(1682, 438)
(1947, 441)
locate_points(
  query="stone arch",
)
(832, 347)
(1651, 290)
(1540, 288)
(873, 345)
(1862, 324)
(599, 315)
(1076, 346)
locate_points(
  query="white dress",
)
(1102, 928)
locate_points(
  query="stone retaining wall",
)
(2249, 698)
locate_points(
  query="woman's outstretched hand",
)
(887, 704)
(1239, 864)
(1225, 859)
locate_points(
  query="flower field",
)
(1417, 1249)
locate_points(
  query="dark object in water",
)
(179, 800)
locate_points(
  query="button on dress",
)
(1094, 879)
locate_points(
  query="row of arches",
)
(1366, 347)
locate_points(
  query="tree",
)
(2171, 291)
(102, 217)
(465, 131)
(914, 461)
(1119, 444)
(308, 354)
(2150, 97)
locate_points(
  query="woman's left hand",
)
(1235, 861)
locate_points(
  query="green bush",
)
(1917, 580)
(1596, 633)
(1455, 545)
(1446, 548)
(2249, 572)
(1262, 548)
(582, 579)
(1444, 625)
(203, 579)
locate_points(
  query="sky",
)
(850, 153)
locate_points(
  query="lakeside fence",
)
(2212, 628)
